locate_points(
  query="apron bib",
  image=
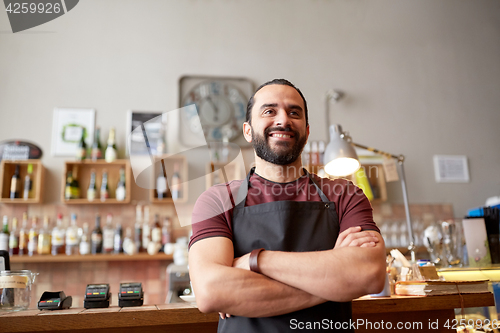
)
(294, 226)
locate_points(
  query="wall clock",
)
(219, 112)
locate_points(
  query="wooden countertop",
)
(185, 317)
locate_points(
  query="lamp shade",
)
(340, 157)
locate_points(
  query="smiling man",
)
(292, 247)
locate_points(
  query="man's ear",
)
(247, 131)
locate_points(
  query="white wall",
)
(420, 77)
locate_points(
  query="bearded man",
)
(291, 250)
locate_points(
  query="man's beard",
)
(285, 152)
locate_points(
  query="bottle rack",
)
(7, 169)
(83, 177)
(169, 161)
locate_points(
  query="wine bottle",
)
(111, 151)
(176, 187)
(96, 152)
(44, 237)
(75, 186)
(58, 236)
(23, 236)
(166, 233)
(81, 150)
(67, 189)
(28, 184)
(73, 237)
(137, 229)
(84, 246)
(120, 188)
(14, 238)
(118, 239)
(15, 184)
(161, 187)
(5, 234)
(92, 190)
(104, 186)
(96, 237)
(146, 230)
(108, 235)
(156, 235)
(33, 238)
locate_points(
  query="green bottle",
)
(81, 151)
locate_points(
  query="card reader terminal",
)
(130, 294)
(97, 296)
(54, 301)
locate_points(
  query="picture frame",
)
(153, 121)
(68, 124)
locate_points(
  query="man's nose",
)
(282, 119)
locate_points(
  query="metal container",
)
(15, 289)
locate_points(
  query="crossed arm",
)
(290, 281)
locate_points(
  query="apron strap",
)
(243, 190)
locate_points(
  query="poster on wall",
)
(154, 123)
(69, 124)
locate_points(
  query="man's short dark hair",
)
(282, 82)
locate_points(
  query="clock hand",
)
(216, 110)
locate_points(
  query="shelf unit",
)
(376, 177)
(83, 177)
(89, 258)
(215, 175)
(169, 161)
(7, 171)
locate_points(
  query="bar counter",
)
(186, 318)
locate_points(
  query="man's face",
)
(278, 131)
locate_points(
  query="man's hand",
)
(355, 237)
(242, 262)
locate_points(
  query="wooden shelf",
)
(169, 161)
(83, 177)
(214, 174)
(7, 170)
(89, 258)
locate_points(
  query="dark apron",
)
(294, 226)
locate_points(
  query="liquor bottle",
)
(81, 150)
(161, 187)
(96, 237)
(71, 190)
(44, 237)
(137, 229)
(28, 183)
(75, 186)
(111, 152)
(58, 236)
(129, 247)
(146, 230)
(118, 239)
(108, 235)
(23, 236)
(156, 236)
(92, 190)
(176, 187)
(120, 188)
(14, 238)
(73, 237)
(96, 152)
(85, 240)
(15, 184)
(166, 233)
(161, 144)
(104, 186)
(4, 234)
(33, 238)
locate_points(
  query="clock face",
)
(221, 110)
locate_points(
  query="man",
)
(293, 247)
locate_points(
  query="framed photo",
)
(69, 125)
(153, 122)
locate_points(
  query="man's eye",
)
(268, 111)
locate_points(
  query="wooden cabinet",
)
(220, 173)
(7, 171)
(84, 169)
(167, 165)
